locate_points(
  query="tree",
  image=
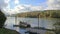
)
(2, 19)
(57, 27)
(55, 15)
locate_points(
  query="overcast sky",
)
(18, 6)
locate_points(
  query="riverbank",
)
(7, 31)
(40, 14)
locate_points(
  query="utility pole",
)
(38, 20)
(15, 20)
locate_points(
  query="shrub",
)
(2, 19)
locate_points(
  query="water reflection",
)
(17, 29)
(43, 22)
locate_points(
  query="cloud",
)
(22, 8)
(48, 5)
(37, 8)
(53, 5)
(19, 7)
(16, 2)
(25, 8)
(2, 4)
(6, 1)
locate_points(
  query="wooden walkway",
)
(37, 31)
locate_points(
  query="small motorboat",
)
(24, 24)
(15, 25)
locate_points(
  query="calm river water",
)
(43, 22)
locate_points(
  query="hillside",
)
(41, 14)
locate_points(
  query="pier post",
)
(38, 20)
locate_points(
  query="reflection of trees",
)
(57, 27)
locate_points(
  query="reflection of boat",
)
(22, 24)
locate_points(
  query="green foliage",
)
(55, 15)
(58, 23)
(2, 19)
(42, 14)
(49, 32)
(7, 31)
(57, 27)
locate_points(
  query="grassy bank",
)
(7, 31)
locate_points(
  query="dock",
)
(37, 31)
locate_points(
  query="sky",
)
(18, 6)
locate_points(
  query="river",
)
(43, 22)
